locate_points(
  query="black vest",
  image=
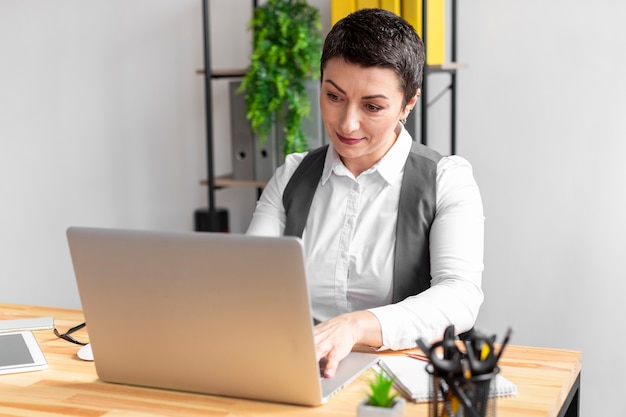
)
(416, 212)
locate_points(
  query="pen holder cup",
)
(461, 397)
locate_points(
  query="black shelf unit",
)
(214, 216)
(214, 221)
(450, 69)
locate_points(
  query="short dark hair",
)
(378, 38)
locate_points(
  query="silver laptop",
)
(212, 313)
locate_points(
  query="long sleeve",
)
(269, 216)
(456, 251)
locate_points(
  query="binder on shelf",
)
(366, 4)
(392, 6)
(435, 37)
(255, 161)
(269, 156)
(242, 137)
(312, 125)
(266, 155)
(340, 9)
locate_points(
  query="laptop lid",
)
(213, 313)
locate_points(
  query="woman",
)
(393, 238)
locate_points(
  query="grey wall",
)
(101, 123)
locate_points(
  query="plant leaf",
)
(287, 45)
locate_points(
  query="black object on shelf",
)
(201, 221)
(213, 219)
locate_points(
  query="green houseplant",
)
(381, 401)
(286, 50)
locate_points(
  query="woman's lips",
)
(348, 141)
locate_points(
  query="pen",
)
(423, 345)
(417, 356)
(504, 343)
(484, 351)
(467, 370)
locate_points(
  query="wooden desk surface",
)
(70, 386)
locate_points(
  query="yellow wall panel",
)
(436, 47)
(340, 9)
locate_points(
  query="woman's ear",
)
(409, 106)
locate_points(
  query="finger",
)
(321, 348)
(331, 366)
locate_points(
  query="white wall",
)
(101, 123)
(542, 120)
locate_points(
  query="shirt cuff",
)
(395, 337)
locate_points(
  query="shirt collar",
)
(389, 167)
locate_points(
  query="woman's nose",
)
(350, 121)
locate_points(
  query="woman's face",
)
(361, 108)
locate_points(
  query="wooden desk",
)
(547, 380)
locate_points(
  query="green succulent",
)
(286, 51)
(380, 390)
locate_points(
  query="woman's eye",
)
(332, 97)
(372, 107)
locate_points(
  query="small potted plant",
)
(382, 401)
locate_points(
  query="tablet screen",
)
(20, 352)
(13, 351)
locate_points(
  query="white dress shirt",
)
(350, 236)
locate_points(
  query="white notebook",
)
(413, 381)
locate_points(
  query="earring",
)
(403, 121)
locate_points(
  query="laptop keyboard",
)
(322, 365)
